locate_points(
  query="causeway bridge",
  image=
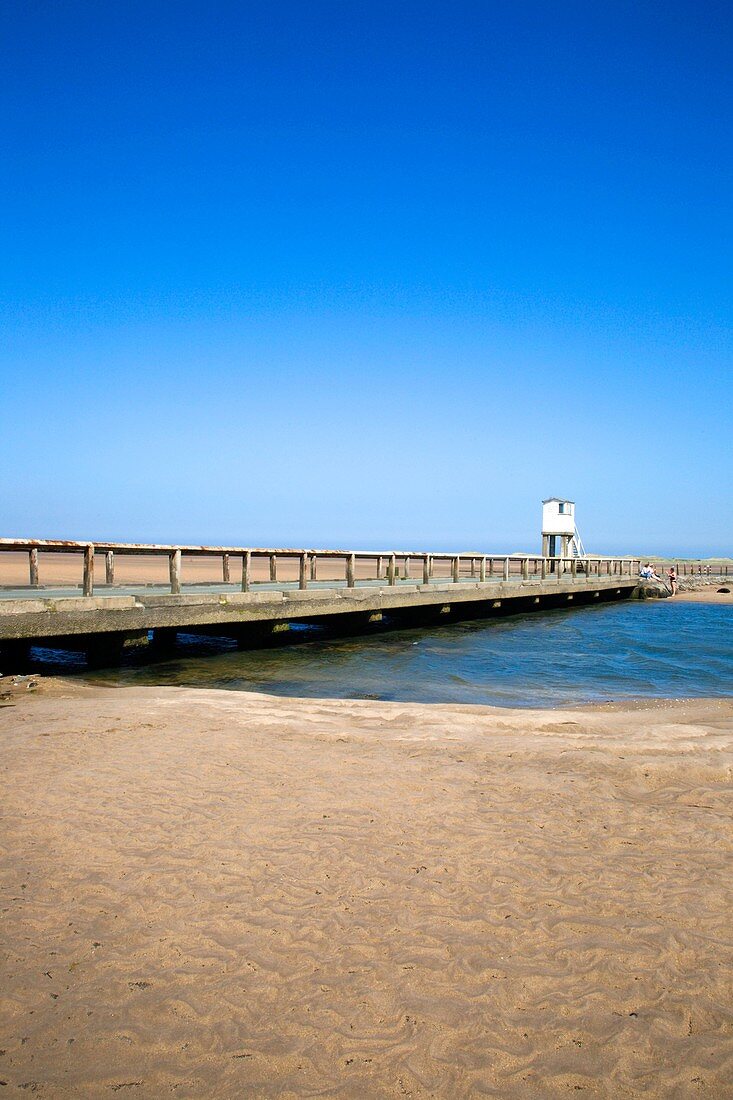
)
(104, 597)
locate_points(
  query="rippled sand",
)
(212, 894)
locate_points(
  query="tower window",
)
(561, 508)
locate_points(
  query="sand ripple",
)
(220, 895)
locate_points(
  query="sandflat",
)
(216, 894)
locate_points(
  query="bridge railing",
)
(261, 565)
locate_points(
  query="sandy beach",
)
(217, 894)
(707, 595)
(66, 569)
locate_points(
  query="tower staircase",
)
(576, 545)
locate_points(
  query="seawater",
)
(614, 652)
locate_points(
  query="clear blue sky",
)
(367, 274)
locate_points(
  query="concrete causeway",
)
(376, 590)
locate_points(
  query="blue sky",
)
(367, 274)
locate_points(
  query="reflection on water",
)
(619, 651)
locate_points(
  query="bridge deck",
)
(274, 588)
(83, 618)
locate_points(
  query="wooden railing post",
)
(406, 570)
(392, 569)
(351, 571)
(506, 569)
(273, 567)
(456, 568)
(33, 567)
(88, 582)
(246, 570)
(574, 568)
(109, 567)
(482, 571)
(174, 569)
(314, 570)
(380, 567)
(303, 572)
(225, 572)
(491, 567)
(525, 569)
(543, 569)
(426, 569)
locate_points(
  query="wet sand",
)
(214, 894)
(707, 595)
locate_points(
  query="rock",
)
(650, 590)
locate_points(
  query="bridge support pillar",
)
(108, 649)
(164, 639)
(14, 655)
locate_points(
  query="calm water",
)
(620, 651)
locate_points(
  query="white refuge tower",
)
(560, 538)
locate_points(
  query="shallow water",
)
(620, 651)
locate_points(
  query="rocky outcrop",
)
(651, 590)
(700, 584)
